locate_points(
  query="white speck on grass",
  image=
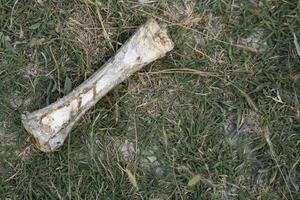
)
(255, 40)
(16, 102)
(242, 132)
(160, 197)
(30, 71)
(159, 172)
(257, 3)
(2, 134)
(127, 150)
(152, 159)
(146, 159)
(27, 102)
(146, 1)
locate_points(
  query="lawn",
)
(217, 118)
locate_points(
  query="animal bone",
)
(51, 125)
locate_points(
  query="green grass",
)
(220, 113)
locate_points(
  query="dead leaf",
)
(194, 180)
(36, 42)
(35, 26)
(146, 1)
(41, 2)
(132, 178)
(249, 100)
(21, 34)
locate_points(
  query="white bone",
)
(51, 125)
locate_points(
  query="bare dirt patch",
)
(254, 40)
(243, 129)
(182, 12)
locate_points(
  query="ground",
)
(217, 118)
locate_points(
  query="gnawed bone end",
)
(51, 125)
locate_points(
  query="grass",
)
(218, 118)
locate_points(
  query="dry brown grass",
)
(83, 30)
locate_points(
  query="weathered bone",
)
(51, 125)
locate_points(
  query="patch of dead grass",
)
(199, 29)
(157, 96)
(243, 129)
(183, 13)
(83, 29)
(125, 149)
